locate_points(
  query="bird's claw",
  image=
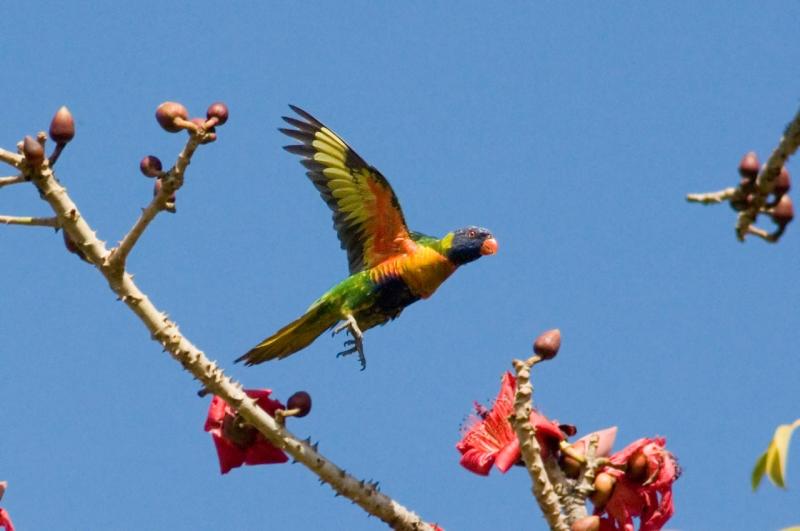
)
(356, 345)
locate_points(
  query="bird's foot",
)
(356, 345)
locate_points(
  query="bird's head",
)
(470, 243)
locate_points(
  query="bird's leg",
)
(356, 344)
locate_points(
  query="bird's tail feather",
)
(296, 335)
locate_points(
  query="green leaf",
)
(773, 461)
(758, 471)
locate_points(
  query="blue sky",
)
(572, 132)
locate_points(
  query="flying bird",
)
(391, 267)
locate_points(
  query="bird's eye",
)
(471, 233)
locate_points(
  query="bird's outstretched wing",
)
(366, 213)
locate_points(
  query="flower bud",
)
(300, 400)
(166, 114)
(749, 166)
(587, 523)
(782, 183)
(33, 151)
(637, 468)
(150, 166)
(62, 127)
(603, 489)
(783, 212)
(546, 345)
(219, 111)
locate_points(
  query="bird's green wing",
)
(366, 213)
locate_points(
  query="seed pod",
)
(62, 127)
(300, 400)
(166, 114)
(547, 344)
(33, 151)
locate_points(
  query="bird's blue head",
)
(470, 243)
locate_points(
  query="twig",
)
(12, 159)
(584, 486)
(171, 182)
(166, 332)
(761, 233)
(531, 452)
(765, 181)
(30, 221)
(712, 197)
(14, 179)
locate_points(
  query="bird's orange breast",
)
(422, 269)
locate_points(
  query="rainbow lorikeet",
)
(390, 266)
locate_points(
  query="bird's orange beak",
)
(489, 246)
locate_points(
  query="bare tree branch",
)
(12, 159)
(766, 177)
(531, 451)
(171, 182)
(14, 179)
(750, 197)
(165, 331)
(29, 221)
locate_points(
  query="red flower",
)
(490, 439)
(239, 444)
(645, 489)
(5, 520)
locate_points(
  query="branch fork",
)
(112, 265)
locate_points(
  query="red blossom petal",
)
(548, 433)
(606, 524)
(651, 500)
(255, 451)
(262, 452)
(216, 412)
(5, 520)
(490, 432)
(604, 444)
(264, 401)
(507, 456)
(230, 456)
(490, 439)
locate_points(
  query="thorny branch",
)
(111, 264)
(529, 447)
(750, 197)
